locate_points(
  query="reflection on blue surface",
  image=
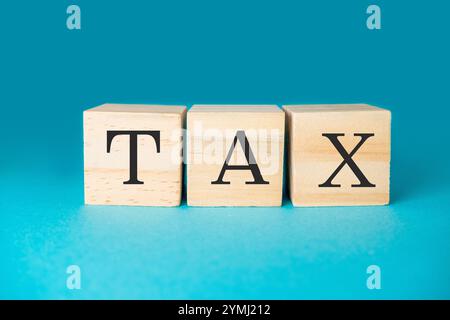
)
(237, 52)
(186, 252)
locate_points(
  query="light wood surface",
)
(212, 128)
(105, 172)
(313, 158)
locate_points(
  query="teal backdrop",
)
(214, 51)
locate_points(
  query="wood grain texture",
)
(104, 173)
(211, 131)
(313, 158)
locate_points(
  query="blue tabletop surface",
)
(185, 52)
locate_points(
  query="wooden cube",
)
(339, 155)
(132, 155)
(235, 155)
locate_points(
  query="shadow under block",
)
(108, 155)
(219, 132)
(339, 155)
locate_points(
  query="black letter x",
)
(333, 137)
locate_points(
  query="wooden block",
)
(219, 171)
(339, 155)
(132, 155)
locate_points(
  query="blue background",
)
(252, 51)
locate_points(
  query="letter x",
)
(333, 137)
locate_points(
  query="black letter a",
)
(252, 166)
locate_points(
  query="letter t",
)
(133, 179)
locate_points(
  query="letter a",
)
(374, 280)
(251, 162)
(74, 19)
(74, 279)
(374, 20)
